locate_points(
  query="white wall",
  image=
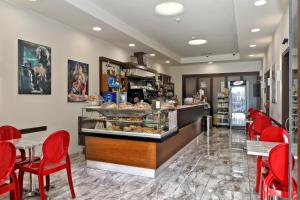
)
(24, 111)
(274, 56)
(219, 67)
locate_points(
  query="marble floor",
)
(215, 167)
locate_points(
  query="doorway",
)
(267, 92)
(285, 87)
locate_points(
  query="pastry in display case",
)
(125, 119)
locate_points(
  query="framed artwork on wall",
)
(274, 84)
(78, 81)
(34, 68)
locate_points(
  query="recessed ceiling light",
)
(152, 54)
(251, 55)
(252, 45)
(197, 42)
(260, 2)
(254, 30)
(131, 45)
(169, 8)
(210, 62)
(168, 62)
(97, 28)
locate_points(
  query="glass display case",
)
(146, 123)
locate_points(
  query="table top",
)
(261, 148)
(28, 142)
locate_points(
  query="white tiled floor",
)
(215, 167)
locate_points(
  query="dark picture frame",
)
(34, 68)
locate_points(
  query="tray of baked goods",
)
(131, 130)
(122, 110)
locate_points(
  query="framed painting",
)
(34, 68)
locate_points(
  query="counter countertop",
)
(189, 106)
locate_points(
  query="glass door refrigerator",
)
(238, 103)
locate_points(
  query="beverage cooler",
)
(238, 103)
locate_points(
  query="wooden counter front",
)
(139, 153)
(120, 151)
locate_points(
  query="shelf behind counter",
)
(139, 155)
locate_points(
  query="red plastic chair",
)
(55, 158)
(269, 134)
(252, 114)
(8, 159)
(275, 183)
(259, 124)
(9, 133)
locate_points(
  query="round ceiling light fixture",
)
(168, 62)
(197, 42)
(152, 54)
(260, 2)
(169, 8)
(251, 55)
(252, 45)
(255, 30)
(131, 45)
(97, 28)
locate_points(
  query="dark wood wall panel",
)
(226, 76)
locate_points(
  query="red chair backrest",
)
(9, 133)
(261, 122)
(279, 163)
(55, 147)
(253, 113)
(7, 160)
(273, 134)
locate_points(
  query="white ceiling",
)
(225, 24)
(196, 21)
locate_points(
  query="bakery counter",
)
(187, 114)
(139, 153)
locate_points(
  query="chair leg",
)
(41, 187)
(263, 192)
(11, 193)
(258, 173)
(16, 185)
(21, 177)
(70, 178)
(47, 182)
